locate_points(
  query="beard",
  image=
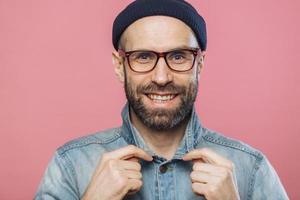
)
(162, 119)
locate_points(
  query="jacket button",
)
(163, 168)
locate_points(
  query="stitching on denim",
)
(157, 185)
(160, 183)
(231, 145)
(253, 177)
(175, 180)
(190, 140)
(197, 140)
(87, 141)
(173, 194)
(69, 167)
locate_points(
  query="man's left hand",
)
(212, 175)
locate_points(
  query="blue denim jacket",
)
(70, 170)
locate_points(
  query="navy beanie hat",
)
(179, 9)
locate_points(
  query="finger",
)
(134, 185)
(208, 156)
(200, 160)
(129, 165)
(199, 188)
(215, 170)
(202, 177)
(128, 152)
(132, 174)
(133, 159)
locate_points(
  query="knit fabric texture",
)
(179, 9)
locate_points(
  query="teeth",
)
(161, 97)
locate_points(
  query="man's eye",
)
(177, 56)
(143, 56)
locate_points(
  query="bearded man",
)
(161, 151)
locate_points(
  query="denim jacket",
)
(71, 168)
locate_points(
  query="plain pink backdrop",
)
(57, 81)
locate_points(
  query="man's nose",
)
(162, 75)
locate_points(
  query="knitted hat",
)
(179, 9)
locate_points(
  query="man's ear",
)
(118, 63)
(201, 62)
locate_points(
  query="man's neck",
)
(163, 143)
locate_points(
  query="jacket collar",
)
(188, 143)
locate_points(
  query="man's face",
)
(162, 99)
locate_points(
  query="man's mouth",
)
(160, 98)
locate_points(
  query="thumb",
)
(133, 159)
(198, 160)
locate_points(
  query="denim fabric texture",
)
(71, 168)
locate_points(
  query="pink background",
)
(57, 81)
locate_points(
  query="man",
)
(161, 151)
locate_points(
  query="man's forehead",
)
(157, 19)
(157, 32)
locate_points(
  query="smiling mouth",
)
(161, 98)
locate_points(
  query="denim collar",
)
(188, 143)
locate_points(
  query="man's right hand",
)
(117, 174)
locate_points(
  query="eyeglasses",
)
(179, 60)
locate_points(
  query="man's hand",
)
(117, 174)
(212, 175)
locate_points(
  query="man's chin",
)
(159, 119)
(161, 113)
(159, 123)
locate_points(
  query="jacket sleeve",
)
(267, 185)
(59, 181)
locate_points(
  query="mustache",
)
(153, 88)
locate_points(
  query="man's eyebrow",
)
(183, 47)
(169, 49)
